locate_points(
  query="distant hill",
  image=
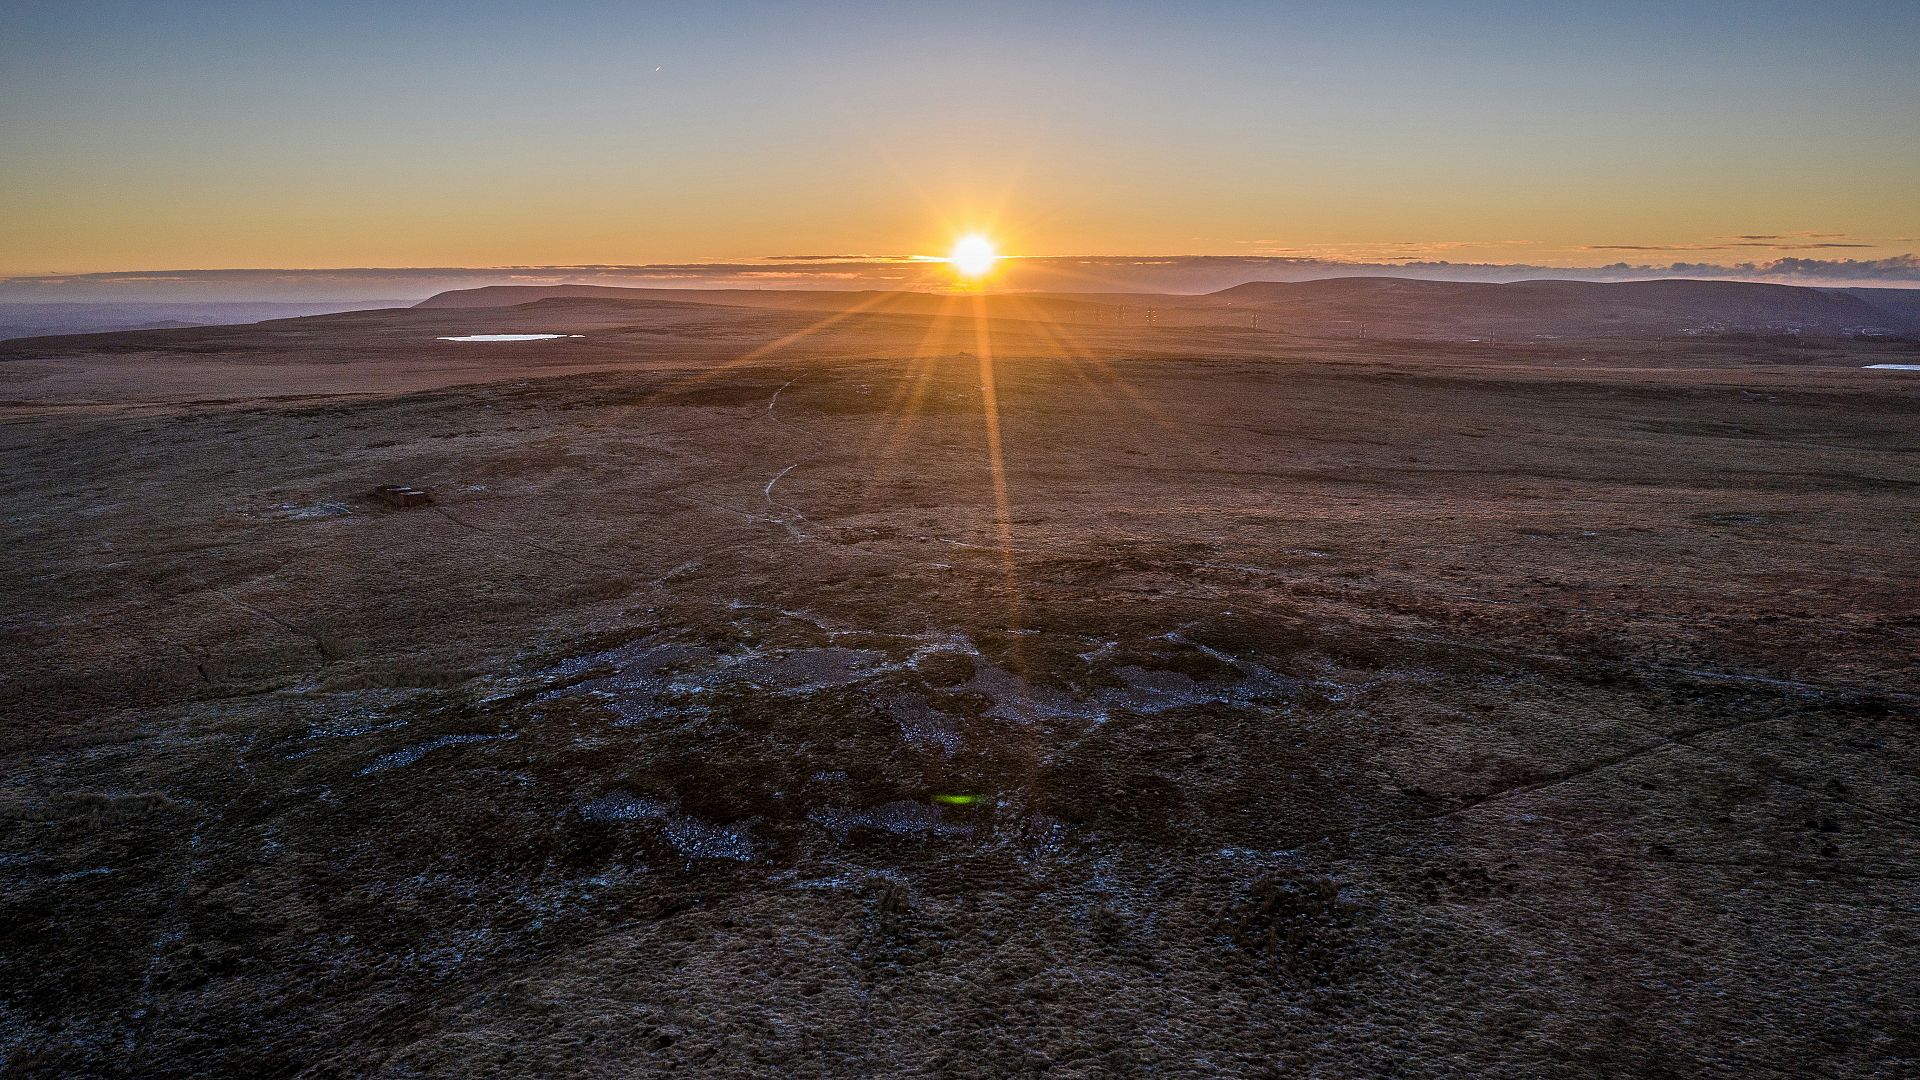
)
(868, 301)
(1401, 307)
(1900, 306)
(1353, 307)
(29, 319)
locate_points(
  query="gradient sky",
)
(200, 135)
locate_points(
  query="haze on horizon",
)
(210, 135)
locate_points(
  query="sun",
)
(973, 255)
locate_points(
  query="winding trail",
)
(768, 490)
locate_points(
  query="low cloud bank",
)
(1174, 274)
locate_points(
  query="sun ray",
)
(831, 320)
(1075, 360)
(997, 473)
(1070, 341)
(936, 325)
(918, 378)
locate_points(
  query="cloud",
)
(1901, 268)
(1379, 252)
(1792, 241)
(839, 258)
(1654, 247)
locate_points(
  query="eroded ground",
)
(1275, 707)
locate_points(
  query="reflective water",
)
(510, 337)
(1892, 367)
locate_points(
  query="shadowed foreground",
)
(1273, 706)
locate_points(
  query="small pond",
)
(510, 337)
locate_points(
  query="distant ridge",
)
(37, 319)
(1425, 308)
(1353, 306)
(868, 301)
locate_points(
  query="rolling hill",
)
(1403, 308)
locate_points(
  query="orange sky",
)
(222, 135)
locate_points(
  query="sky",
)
(173, 135)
